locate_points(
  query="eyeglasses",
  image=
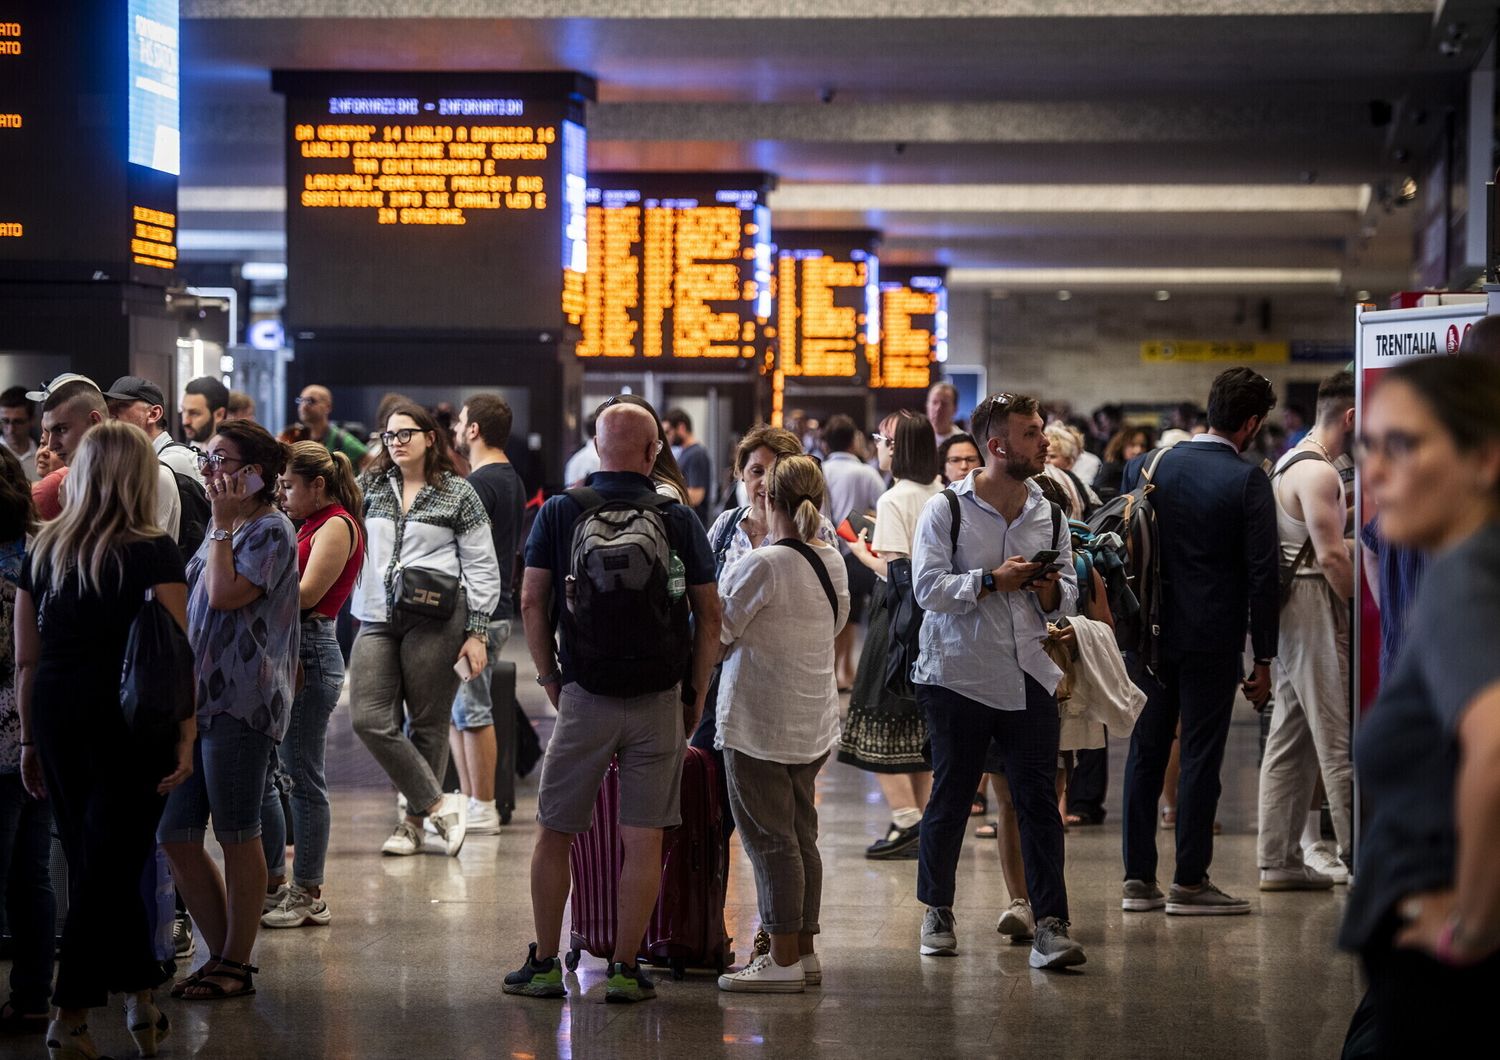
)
(215, 461)
(307, 401)
(986, 411)
(401, 437)
(881, 439)
(1397, 446)
(963, 460)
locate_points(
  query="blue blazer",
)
(1216, 519)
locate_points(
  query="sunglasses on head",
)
(986, 411)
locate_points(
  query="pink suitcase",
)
(687, 928)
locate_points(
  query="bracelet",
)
(546, 679)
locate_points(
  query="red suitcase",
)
(687, 928)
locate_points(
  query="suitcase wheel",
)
(679, 969)
(571, 960)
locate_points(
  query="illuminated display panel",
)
(70, 190)
(913, 327)
(440, 203)
(679, 268)
(828, 306)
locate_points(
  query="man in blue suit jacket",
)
(1216, 520)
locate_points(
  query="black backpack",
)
(1136, 608)
(192, 528)
(625, 633)
(156, 679)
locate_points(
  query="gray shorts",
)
(644, 731)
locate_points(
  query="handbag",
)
(1065, 654)
(156, 682)
(427, 593)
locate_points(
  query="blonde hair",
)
(108, 501)
(1062, 441)
(797, 489)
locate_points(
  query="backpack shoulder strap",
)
(1149, 471)
(585, 498)
(1057, 524)
(1294, 461)
(821, 571)
(955, 514)
(726, 535)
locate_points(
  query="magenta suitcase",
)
(687, 928)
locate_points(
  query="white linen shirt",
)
(778, 700)
(984, 649)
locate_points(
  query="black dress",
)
(101, 786)
(884, 732)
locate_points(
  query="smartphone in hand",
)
(854, 524)
(463, 669)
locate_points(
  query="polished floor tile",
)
(411, 965)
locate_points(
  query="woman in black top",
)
(85, 580)
(1424, 912)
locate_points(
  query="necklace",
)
(1319, 444)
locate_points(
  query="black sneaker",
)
(183, 943)
(627, 983)
(898, 842)
(536, 978)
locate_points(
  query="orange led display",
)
(826, 304)
(913, 327)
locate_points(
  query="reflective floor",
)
(410, 966)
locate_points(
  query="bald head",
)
(1483, 339)
(626, 437)
(315, 406)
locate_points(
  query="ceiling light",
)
(1073, 198)
(1362, 296)
(1162, 296)
(1147, 279)
(264, 271)
(1063, 296)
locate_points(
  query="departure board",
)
(913, 327)
(89, 108)
(435, 203)
(828, 305)
(679, 269)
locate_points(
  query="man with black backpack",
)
(616, 569)
(141, 402)
(992, 561)
(1215, 526)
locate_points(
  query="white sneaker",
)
(484, 818)
(1018, 921)
(452, 822)
(298, 909)
(274, 898)
(765, 976)
(1324, 860)
(1293, 878)
(812, 969)
(404, 841)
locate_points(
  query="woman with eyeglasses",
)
(957, 456)
(242, 620)
(429, 583)
(1425, 912)
(885, 733)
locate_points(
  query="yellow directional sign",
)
(1195, 351)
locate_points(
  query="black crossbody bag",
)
(428, 593)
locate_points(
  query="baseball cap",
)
(134, 388)
(47, 388)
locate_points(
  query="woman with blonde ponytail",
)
(320, 493)
(86, 578)
(778, 717)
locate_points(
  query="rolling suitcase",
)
(687, 928)
(503, 698)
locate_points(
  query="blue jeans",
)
(230, 763)
(30, 905)
(961, 731)
(1199, 688)
(300, 760)
(474, 707)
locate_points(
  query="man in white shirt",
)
(141, 402)
(16, 420)
(942, 404)
(853, 486)
(983, 675)
(583, 463)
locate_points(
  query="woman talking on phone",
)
(242, 620)
(424, 600)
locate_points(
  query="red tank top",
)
(343, 585)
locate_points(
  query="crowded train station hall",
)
(580, 528)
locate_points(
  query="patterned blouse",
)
(726, 553)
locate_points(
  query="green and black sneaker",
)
(627, 983)
(537, 978)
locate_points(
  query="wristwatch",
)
(988, 581)
(220, 534)
(546, 679)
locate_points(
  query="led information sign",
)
(679, 268)
(828, 306)
(435, 202)
(913, 327)
(88, 140)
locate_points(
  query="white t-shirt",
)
(896, 515)
(778, 700)
(581, 464)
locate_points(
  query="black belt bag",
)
(428, 593)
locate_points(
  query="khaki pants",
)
(1310, 725)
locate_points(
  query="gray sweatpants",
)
(407, 661)
(778, 822)
(1310, 724)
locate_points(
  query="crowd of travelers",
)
(1028, 585)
